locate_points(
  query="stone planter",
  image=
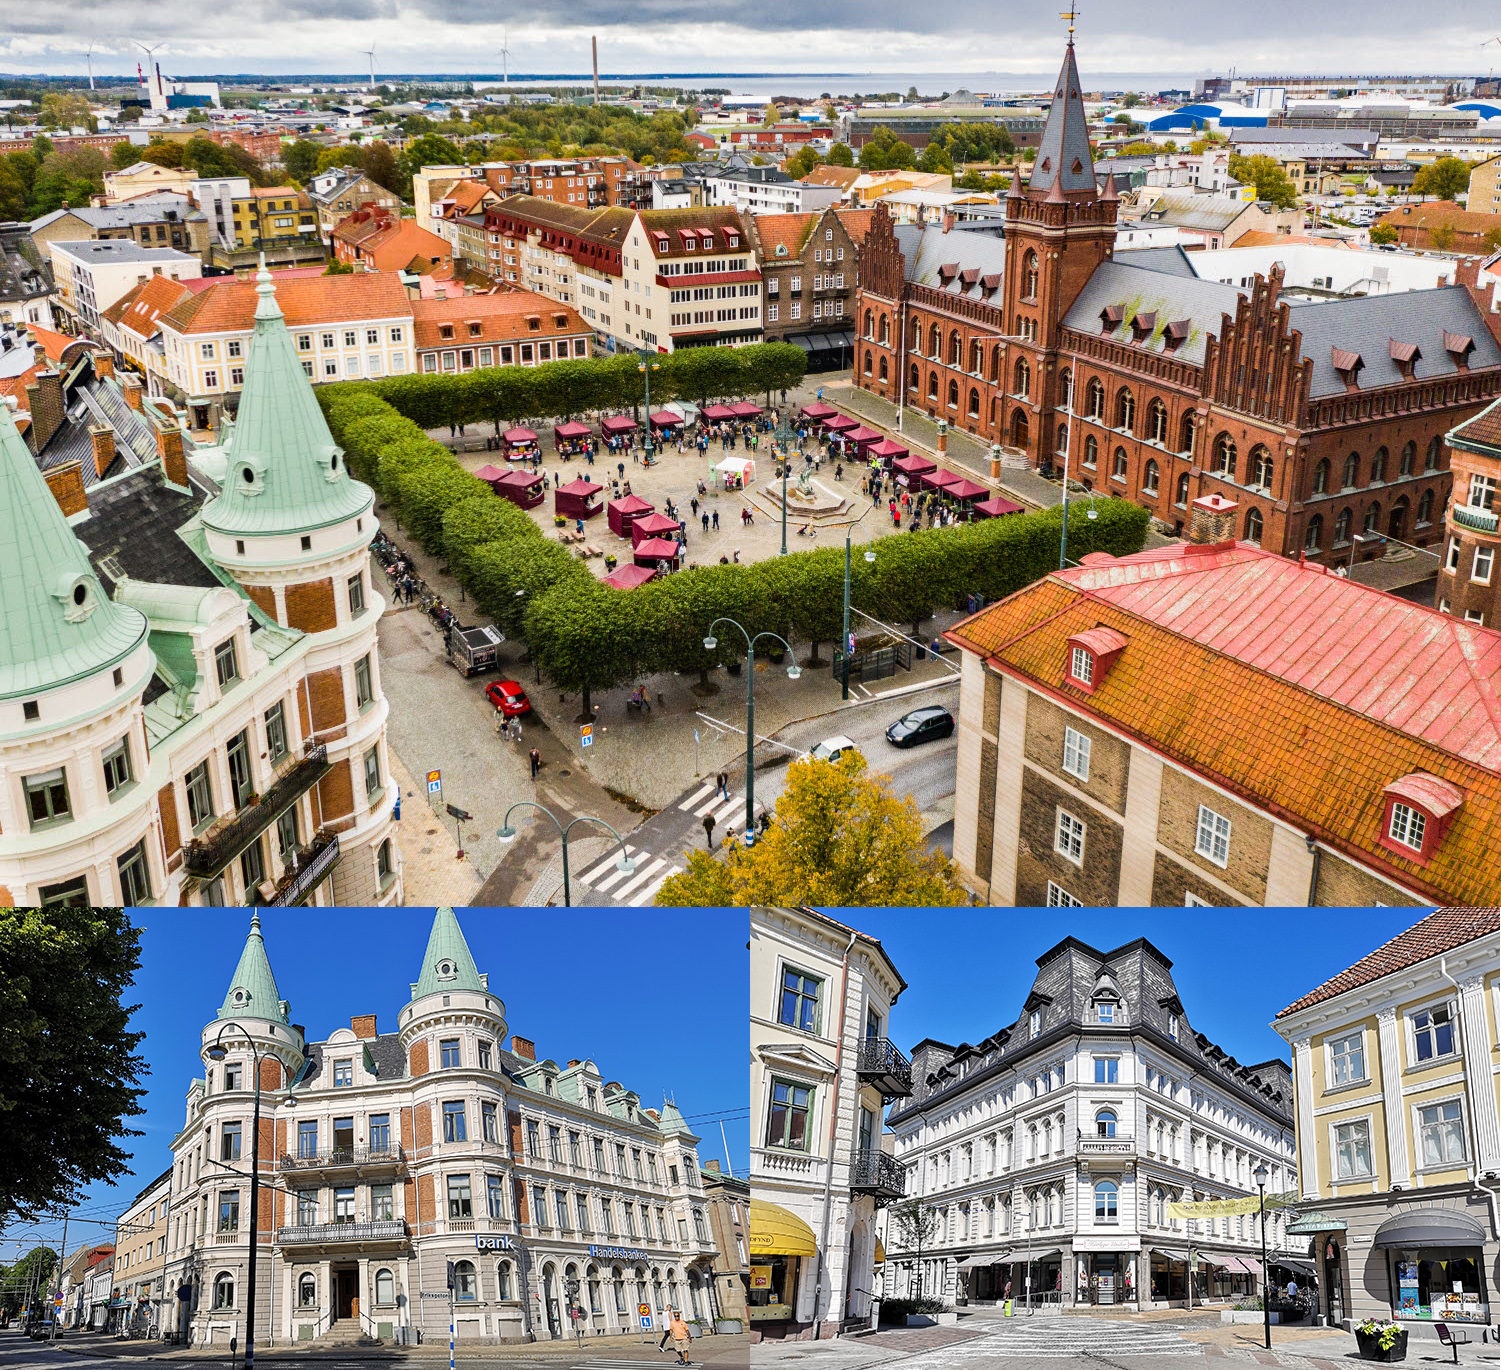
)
(1252, 1315)
(920, 1320)
(727, 1325)
(947, 1319)
(1369, 1346)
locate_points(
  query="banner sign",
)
(1225, 1208)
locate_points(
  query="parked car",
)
(509, 698)
(832, 748)
(927, 724)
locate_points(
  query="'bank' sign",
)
(494, 1244)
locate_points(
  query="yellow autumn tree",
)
(839, 838)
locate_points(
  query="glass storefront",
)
(773, 1288)
(1438, 1284)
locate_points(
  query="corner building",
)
(385, 1155)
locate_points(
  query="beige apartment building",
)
(140, 1294)
(1399, 1149)
(729, 1219)
(1485, 187)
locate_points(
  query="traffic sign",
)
(435, 782)
(463, 815)
(646, 1323)
(644, 1309)
(586, 734)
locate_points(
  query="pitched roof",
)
(1484, 430)
(390, 243)
(1187, 209)
(1438, 933)
(502, 317)
(842, 176)
(446, 947)
(1173, 298)
(857, 222)
(1351, 689)
(1436, 214)
(1063, 158)
(787, 231)
(252, 991)
(960, 262)
(226, 305)
(142, 306)
(716, 220)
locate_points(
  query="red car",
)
(509, 698)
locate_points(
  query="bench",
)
(1453, 1340)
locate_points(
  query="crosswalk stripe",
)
(606, 868)
(644, 897)
(729, 810)
(698, 796)
(709, 807)
(643, 873)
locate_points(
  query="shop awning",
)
(1020, 1257)
(979, 1262)
(1292, 1263)
(1430, 1227)
(1168, 1254)
(1236, 1265)
(776, 1232)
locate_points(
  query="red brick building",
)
(1323, 420)
(1469, 578)
(769, 137)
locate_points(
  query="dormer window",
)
(1347, 366)
(1175, 334)
(1034, 1023)
(1090, 656)
(1142, 326)
(1406, 356)
(447, 970)
(1110, 317)
(731, 239)
(1419, 809)
(1081, 666)
(1459, 346)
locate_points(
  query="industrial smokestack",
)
(594, 43)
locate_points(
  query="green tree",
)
(379, 163)
(336, 268)
(840, 837)
(1383, 233)
(123, 155)
(840, 154)
(209, 158)
(512, 573)
(1266, 174)
(429, 149)
(804, 160)
(67, 178)
(300, 159)
(66, 110)
(161, 152)
(423, 495)
(585, 636)
(1441, 236)
(69, 1073)
(934, 158)
(29, 1276)
(1444, 179)
(886, 152)
(1141, 149)
(1491, 239)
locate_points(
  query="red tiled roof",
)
(390, 243)
(140, 307)
(783, 230)
(1436, 934)
(856, 222)
(1484, 428)
(841, 176)
(1436, 213)
(228, 306)
(502, 318)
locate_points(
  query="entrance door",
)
(346, 1301)
(1334, 1285)
(1105, 1269)
(550, 1299)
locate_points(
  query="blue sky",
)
(968, 970)
(655, 997)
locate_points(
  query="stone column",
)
(1308, 1170)
(1399, 1168)
(1482, 1097)
(365, 1294)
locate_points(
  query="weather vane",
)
(1070, 14)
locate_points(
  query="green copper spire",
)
(284, 472)
(56, 622)
(252, 993)
(447, 964)
(672, 1123)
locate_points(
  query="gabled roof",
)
(226, 305)
(941, 260)
(142, 306)
(502, 317)
(1137, 289)
(1186, 209)
(1481, 432)
(842, 176)
(787, 231)
(1445, 930)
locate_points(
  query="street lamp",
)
(846, 648)
(646, 366)
(217, 1052)
(710, 643)
(1260, 1176)
(623, 863)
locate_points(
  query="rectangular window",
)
(495, 1196)
(287, 837)
(800, 1000)
(276, 733)
(534, 1139)
(1105, 1070)
(539, 1205)
(117, 771)
(237, 753)
(555, 1142)
(454, 1129)
(629, 1215)
(252, 865)
(1442, 1134)
(560, 1207)
(372, 774)
(620, 1160)
(1481, 571)
(307, 1138)
(229, 1142)
(1076, 753)
(226, 664)
(1212, 837)
(575, 1151)
(229, 1210)
(607, 1217)
(1352, 1150)
(450, 1053)
(581, 1209)
(135, 875)
(382, 1208)
(599, 1156)
(1068, 837)
(344, 1204)
(357, 595)
(489, 1122)
(1407, 826)
(364, 688)
(460, 1202)
(791, 1104)
(47, 797)
(344, 1073)
(307, 1207)
(1433, 1033)
(484, 1055)
(1347, 1059)
(380, 1132)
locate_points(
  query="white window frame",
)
(1487, 554)
(1409, 1031)
(1206, 845)
(1065, 837)
(1405, 822)
(1335, 1124)
(1418, 1105)
(1081, 665)
(1330, 1042)
(1080, 746)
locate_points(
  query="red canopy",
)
(716, 413)
(885, 448)
(914, 465)
(861, 435)
(489, 473)
(619, 423)
(744, 409)
(938, 480)
(521, 480)
(652, 550)
(571, 430)
(653, 526)
(817, 410)
(514, 437)
(664, 418)
(631, 505)
(629, 577)
(577, 499)
(840, 422)
(583, 487)
(994, 508)
(963, 489)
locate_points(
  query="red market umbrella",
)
(514, 437)
(964, 489)
(817, 410)
(938, 480)
(994, 508)
(885, 448)
(566, 431)
(649, 551)
(716, 413)
(744, 409)
(629, 577)
(653, 526)
(862, 435)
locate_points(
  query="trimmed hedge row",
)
(588, 636)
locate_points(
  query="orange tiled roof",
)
(1435, 213)
(228, 306)
(52, 344)
(1439, 932)
(466, 196)
(1297, 689)
(501, 317)
(1257, 238)
(141, 306)
(857, 222)
(389, 243)
(783, 230)
(842, 176)
(1484, 428)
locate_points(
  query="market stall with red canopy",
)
(965, 492)
(490, 473)
(716, 413)
(629, 577)
(579, 499)
(937, 480)
(744, 409)
(617, 425)
(913, 466)
(519, 443)
(622, 512)
(860, 436)
(887, 450)
(526, 489)
(653, 526)
(665, 419)
(995, 508)
(817, 412)
(650, 551)
(572, 439)
(840, 423)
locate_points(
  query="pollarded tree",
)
(424, 494)
(587, 636)
(508, 575)
(483, 519)
(675, 615)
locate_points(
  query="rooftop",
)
(227, 305)
(102, 251)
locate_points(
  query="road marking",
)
(645, 897)
(643, 873)
(606, 866)
(698, 796)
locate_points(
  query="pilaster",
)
(1399, 1166)
(1308, 1169)
(1482, 1093)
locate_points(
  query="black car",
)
(921, 725)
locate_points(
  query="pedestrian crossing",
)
(707, 800)
(616, 1364)
(633, 888)
(1052, 1337)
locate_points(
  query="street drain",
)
(565, 772)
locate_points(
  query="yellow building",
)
(1399, 1149)
(143, 178)
(1485, 188)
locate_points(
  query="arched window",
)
(695, 1296)
(883, 369)
(1180, 495)
(1409, 459)
(932, 385)
(1094, 399)
(1029, 276)
(1186, 432)
(1125, 410)
(1066, 387)
(868, 361)
(1062, 439)
(1149, 477)
(953, 394)
(1105, 1197)
(917, 336)
(914, 382)
(1157, 422)
(1021, 428)
(1349, 477)
(1091, 452)
(869, 322)
(1104, 1122)
(1022, 378)
(1261, 468)
(1225, 455)
(1253, 526)
(1055, 1207)
(885, 330)
(617, 1285)
(385, 1288)
(1371, 519)
(224, 1290)
(503, 1281)
(1321, 477)
(1313, 536)
(1342, 528)
(656, 1289)
(974, 403)
(977, 358)
(1425, 508)
(954, 347)
(1431, 456)
(465, 1286)
(995, 365)
(935, 342)
(594, 1303)
(1119, 464)
(1378, 466)
(307, 1291)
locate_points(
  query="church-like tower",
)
(293, 529)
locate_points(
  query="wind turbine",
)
(370, 53)
(150, 63)
(505, 59)
(89, 58)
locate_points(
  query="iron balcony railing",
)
(1482, 520)
(306, 870)
(874, 1172)
(880, 1064)
(204, 857)
(332, 1158)
(384, 1230)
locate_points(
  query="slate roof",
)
(124, 215)
(1439, 932)
(927, 249)
(1185, 209)
(1351, 690)
(1173, 260)
(1172, 297)
(385, 1050)
(1063, 157)
(132, 528)
(1279, 134)
(87, 401)
(24, 272)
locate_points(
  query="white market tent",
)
(744, 467)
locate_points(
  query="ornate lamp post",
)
(1260, 1176)
(507, 833)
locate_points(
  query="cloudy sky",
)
(1157, 37)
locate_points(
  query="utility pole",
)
(61, 1257)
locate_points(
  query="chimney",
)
(104, 365)
(1212, 520)
(1467, 271)
(66, 484)
(130, 386)
(948, 221)
(103, 438)
(44, 402)
(712, 1166)
(571, 1064)
(363, 1024)
(169, 447)
(522, 1047)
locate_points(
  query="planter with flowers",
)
(1383, 1341)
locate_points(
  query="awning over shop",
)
(776, 1232)
(979, 1262)
(1292, 1263)
(1236, 1265)
(1430, 1227)
(1020, 1257)
(1168, 1254)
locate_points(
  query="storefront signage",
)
(617, 1253)
(1089, 1147)
(1107, 1243)
(1305, 1224)
(760, 1277)
(501, 1243)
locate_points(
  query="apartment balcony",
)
(877, 1174)
(343, 1238)
(1106, 1153)
(305, 871)
(879, 1064)
(1481, 520)
(361, 1162)
(204, 857)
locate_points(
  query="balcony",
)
(305, 871)
(1481, 520)
(879, 1064)
(875, 1173)
(345, 1236)
(204, 857)
(365, 1162)
(1104, 1153)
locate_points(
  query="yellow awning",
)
(880, 1252)
(776, 1232)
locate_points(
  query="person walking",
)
(501, 727)
(536, 760)
(704, 519)
(515, 730)
(722, 785)
(716, 520)
(709, 830)
(693, 505)
(681, 1338)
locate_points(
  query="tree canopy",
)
(1266, 174)
(1444, 179)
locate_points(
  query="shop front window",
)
(770, 1290)
(1439, 1284)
